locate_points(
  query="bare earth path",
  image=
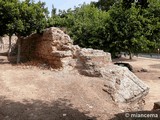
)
(36, 94)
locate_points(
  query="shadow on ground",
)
(123, 59)
(3, 53)
(3, 61)
(4, 58)
(40, 110)
(138, 115)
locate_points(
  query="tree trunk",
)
(19, 50)
(130, 55)
(1, 44)
(9, 50)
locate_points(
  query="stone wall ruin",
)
(56, 48)
(53, 47)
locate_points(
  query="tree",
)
(22, 18)
(89, 27)
(8, 14)
(124, 29)
(33, 17)
(152, 22)
(133, 29)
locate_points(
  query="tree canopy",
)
(127, 32)
(22, 17)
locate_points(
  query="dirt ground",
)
(30, 93)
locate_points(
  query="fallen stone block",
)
(123, 85)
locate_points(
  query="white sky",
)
(64, 4)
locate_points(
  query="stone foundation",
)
(91, 61)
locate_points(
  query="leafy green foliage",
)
(32, 17)
(126, 31)
(8, 14)
(152, 22)
(85, 24)
(22, 18)
(88, 26)
(135, 29)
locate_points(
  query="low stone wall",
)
(91, 61)
(56, 48)
(53, 46)
(29, 46)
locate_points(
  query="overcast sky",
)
(64, 4)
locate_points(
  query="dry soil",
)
(30, 93)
